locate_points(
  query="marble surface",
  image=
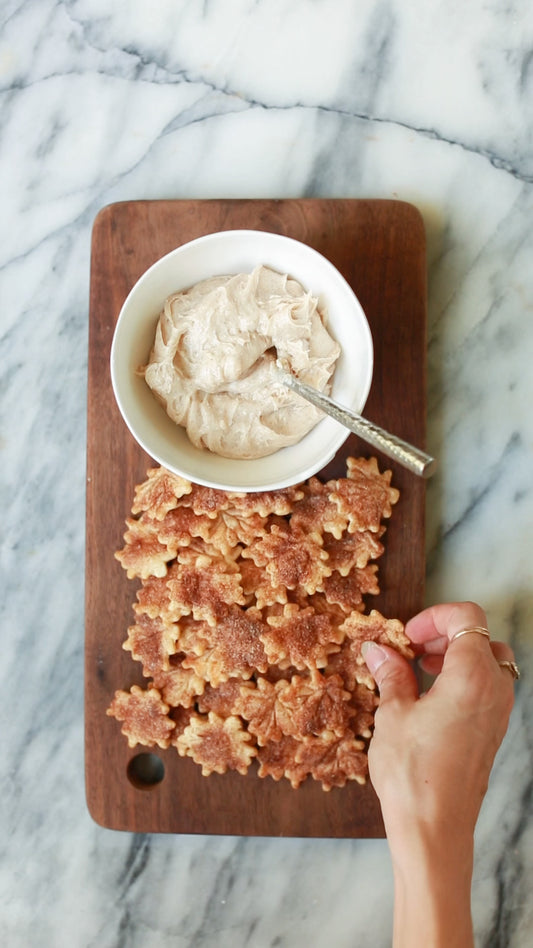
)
(430, 102)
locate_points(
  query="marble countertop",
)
(430, 102)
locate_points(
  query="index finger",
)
(435, 627)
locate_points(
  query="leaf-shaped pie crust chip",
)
(317, 512)
(221, 699)
(365, 497)
(160, 492)
(204, 587)
(144, 715)
(258, 706)
(179, 686)
(358, 628)
(333, 761)
(267, 503)
(277, 759)
(143, 555)
(364, 703)
(257, 586)
(353, 550)
(179, 526)
(374, 627)
(301, 637)
(314, 705)
(233, 648)
(217, 744)
(348, 591)
(290, 558)
(151, 642)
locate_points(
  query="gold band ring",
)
(512, 667)
(475, 628)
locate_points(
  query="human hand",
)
(431, 755)
(430, 760)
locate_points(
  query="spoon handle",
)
(396, 448)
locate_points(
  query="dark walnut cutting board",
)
(379, 246)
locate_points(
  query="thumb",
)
(392, 672)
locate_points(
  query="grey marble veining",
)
(430, 102)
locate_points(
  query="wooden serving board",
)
(379, 246)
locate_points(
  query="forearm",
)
(432, 894)
(429, 761)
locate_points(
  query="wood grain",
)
(379, 246)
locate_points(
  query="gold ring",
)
(475, 628)
(512, 667)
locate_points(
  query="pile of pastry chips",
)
(249, 621)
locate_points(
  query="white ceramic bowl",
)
(227, 252)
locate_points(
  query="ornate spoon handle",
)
(396, 448)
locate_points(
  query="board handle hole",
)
(145, 771)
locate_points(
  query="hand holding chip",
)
(430, 760)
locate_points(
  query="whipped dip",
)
(212, 364)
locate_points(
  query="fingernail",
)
(373, 655)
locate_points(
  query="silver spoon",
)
(396, 448)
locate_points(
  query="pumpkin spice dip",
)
(213, 361)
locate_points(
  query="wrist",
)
(432, 888)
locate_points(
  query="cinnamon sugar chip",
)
(234, 648)
(249, 620)
(153, 596)
(348, 591)
(314, 705)
(358, 628)
(211, 547)
(291, 559)
(222, 699)
(206, 534)
(267, 502)
(364, 703)
(203, 586)
(151, 642)
(160, 492)
(376, 628)
(277, 759)
(258, 706)
(193, 636)
(143, 555)
(243, 529)
(353, 550)
(217, 744)
(207, 500)
(301, 637)
(315, 511)
(145, 716)
(321, 605)
(365, 497)
(347, 663)
(333, 761)
(179, 686)
(179, 526)
(257, 586)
